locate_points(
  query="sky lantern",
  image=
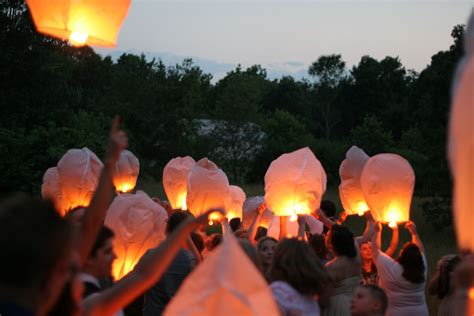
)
(139, 224)
(388, 181)
(236, 202)
(81, 22)
(461, 144)
(50, 189)
(126, 172)
(227, 282)
(208, 188)
(175, 181)
(350, 191)
(250, 208)
(78, 172)
(295, 184)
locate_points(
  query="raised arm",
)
(369, 230)
(393, 243)
(252, 231)
(323, 218)
(376, 239)
(301, 227)
(95, 213)
(415, 238)
(283, 231)
(145, 274)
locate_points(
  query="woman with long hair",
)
(297, 278)
(266, 250)
(403, 278)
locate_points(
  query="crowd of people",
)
(62, 266)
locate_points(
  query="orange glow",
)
(295, 183)
(471, 293)
(92, 22)
(293, 218)
(175, 181)
(126, 172)
(234, 208)
(387, 182)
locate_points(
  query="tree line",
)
(54, 97)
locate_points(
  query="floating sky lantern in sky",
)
(175, 181)
(139, 225)
(78, 176)
(350, 191)
(236, 202)
(294, 184)
(208, 188)
(81, 22)
(388, 181)
(461, 144)
(126, 172)
(226, 283)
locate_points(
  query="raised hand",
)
(117, 141)
(411, 227)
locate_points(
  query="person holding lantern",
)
(442, 284)
(404, 278)
(345, 268)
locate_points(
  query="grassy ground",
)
(436, 243)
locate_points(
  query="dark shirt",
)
(370, 277)
(14, 310)
(162, 292)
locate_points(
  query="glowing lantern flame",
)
(175, 181)
(139, 225)
(82, 22)
(208, 188)
(126, 172)
(350, 191)
(388, 182)
(295, 183)
(461, 143)
(294, 218)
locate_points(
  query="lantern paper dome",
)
(78, 175)
(388, 181)
(139, 224)
(82, 22)
(50, 189)
(350, 191)
(175, 181)
(126, 172)
(295, 183)
(461, 144)
(226, 281)
(274, 228)
(208, 188)
(236, 202)
(250, 208)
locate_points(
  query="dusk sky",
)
(286, 36)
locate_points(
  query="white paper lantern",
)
(79, 171)
(208, 188)
(126, 172)
(139, 224)
(175, 181)
(295, 183)
(236, 202)
(50, 189)
(461, 144)
(388, 181)
(350, 190)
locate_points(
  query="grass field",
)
(436, 243)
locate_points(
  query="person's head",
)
(446, 274)
(76, 214)
(213, 241)
(252, 253)
(99, 263)
(175, 220)
(261, 232)
(36, 244)
(266, 249)
(366, 252)
(368, 300)
(329, 208)
(411, 260)
(296, 264)
(318, 244)
(198, 241)
(235, 224)
(340, 241)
